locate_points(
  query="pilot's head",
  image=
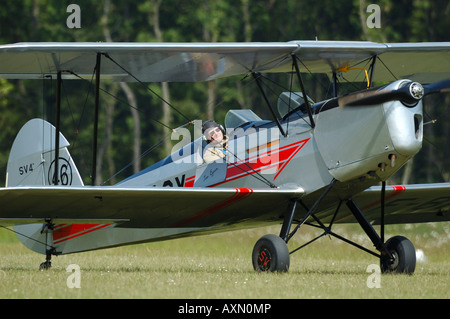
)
(212, 132)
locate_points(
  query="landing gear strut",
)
(397, 255)
(270, 252)
(48, 229)
(47, 263)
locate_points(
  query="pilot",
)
(216, 139)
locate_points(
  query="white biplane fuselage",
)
(357, 146)
(347, 143)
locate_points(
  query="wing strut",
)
(335, 88)
(57, 126)
(302, 86)
(372, 69)
(94, 142)
(58, 120)
(258, 82)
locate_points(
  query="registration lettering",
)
(25, 169)
(178, 181)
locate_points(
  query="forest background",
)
(130, 134)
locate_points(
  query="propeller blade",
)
(437, 87)
(360, 97)
(408, 94)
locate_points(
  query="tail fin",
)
(32, 158)
(31, 163)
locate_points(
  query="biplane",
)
(310, 163)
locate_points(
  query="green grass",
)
(219, 266)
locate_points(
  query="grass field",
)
(219, 266)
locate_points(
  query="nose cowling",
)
(405, 124)
(356, 140)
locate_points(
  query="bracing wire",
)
(275, 93)
(260, 177)
(256, 173)
(27, 237)
(146, 152)
(146, 87)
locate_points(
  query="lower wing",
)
(404, 204)
(141, 207)
(88, 218)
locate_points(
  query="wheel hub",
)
(264, 259)
(393, 262)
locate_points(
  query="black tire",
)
(404, 256)
(45, 265)
(270, 254)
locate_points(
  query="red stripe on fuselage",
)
(277, 158)
(189, 181)
(64, 232)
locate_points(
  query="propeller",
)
(410, 93)
(438, 87)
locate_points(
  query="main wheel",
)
(270, 254)
(404, 255)
(45, 265)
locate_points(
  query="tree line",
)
(130, 130)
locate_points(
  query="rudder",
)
(32, 163)
(32, 158)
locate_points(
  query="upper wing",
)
(149, 62)
(424, 62)
(153, 207)
(404, 204)
(186, 62)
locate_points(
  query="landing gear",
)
(45, 265)
(397, 255)
(270, 254)
(48, 229)
(403, 256)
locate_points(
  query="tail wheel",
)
(404, 254)
(270, 254)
